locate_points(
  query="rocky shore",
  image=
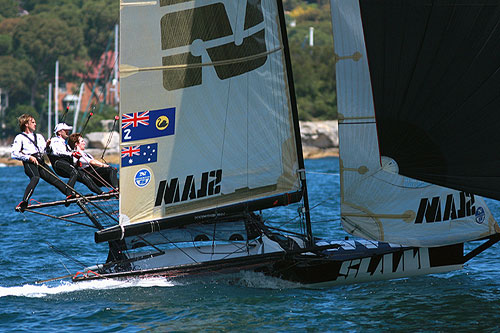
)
(319, 139)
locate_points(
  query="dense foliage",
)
(313, 66)
(36, 33)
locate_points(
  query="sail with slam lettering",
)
(211, 147)
(417, 90)
(206, 111)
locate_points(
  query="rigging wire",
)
(81, 195)
(98, 177)
(178, 248)
(103, 64)
(56, 250)
(59, 251)
(66, 268)
(109, 138)
(86, 123)
(59, 218)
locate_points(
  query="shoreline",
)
(114, 158)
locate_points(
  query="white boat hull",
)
(326, 264)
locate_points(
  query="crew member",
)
(61, 158)
(102, 173)
(29, 148)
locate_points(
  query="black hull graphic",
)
(316, 266)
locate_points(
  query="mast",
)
(252, 164)
(295, 116)
(49, 109)
(56, 95)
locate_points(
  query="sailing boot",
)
(21, 206)
(71, 196)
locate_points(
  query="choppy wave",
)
(42, 290)
(247, 279)
(261, 281)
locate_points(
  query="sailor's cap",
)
(62, 126)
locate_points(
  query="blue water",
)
(464, 300)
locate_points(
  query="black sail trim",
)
(435, 73)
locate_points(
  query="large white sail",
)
(377, 202)
(205, 112)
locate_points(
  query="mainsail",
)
(418, 96)
(207, 124)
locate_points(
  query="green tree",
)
(94, 124)
(8, 26)
(15, 76)
(11, 122)
(9, 8)
(5, 44)
(313, 67)
(291, 4)
(31, 5)
(100, 18)
(69, 11)
(43, 39)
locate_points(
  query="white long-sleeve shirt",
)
(84, 160)
(59, 147)
(23, 148)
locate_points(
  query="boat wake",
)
(261, 281)
(249, 279)
(42, 290)
(242, 279)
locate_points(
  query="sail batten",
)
(207, 120)
(130, 69)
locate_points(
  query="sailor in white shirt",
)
(29, 147)
(102, 173)
(60, 155)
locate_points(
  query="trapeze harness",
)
(34, 172)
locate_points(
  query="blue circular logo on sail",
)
(480, 215)
(142, 177)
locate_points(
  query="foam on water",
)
(244, 279)
(42, 290)
(247, 279)
(261, 281)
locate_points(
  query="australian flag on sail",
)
(134, 155)
(148, 124)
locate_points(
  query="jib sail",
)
(206, 119)
(418, 88)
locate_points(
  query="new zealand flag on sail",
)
(148, 124)
(134, 155)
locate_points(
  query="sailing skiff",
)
(210, 137)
